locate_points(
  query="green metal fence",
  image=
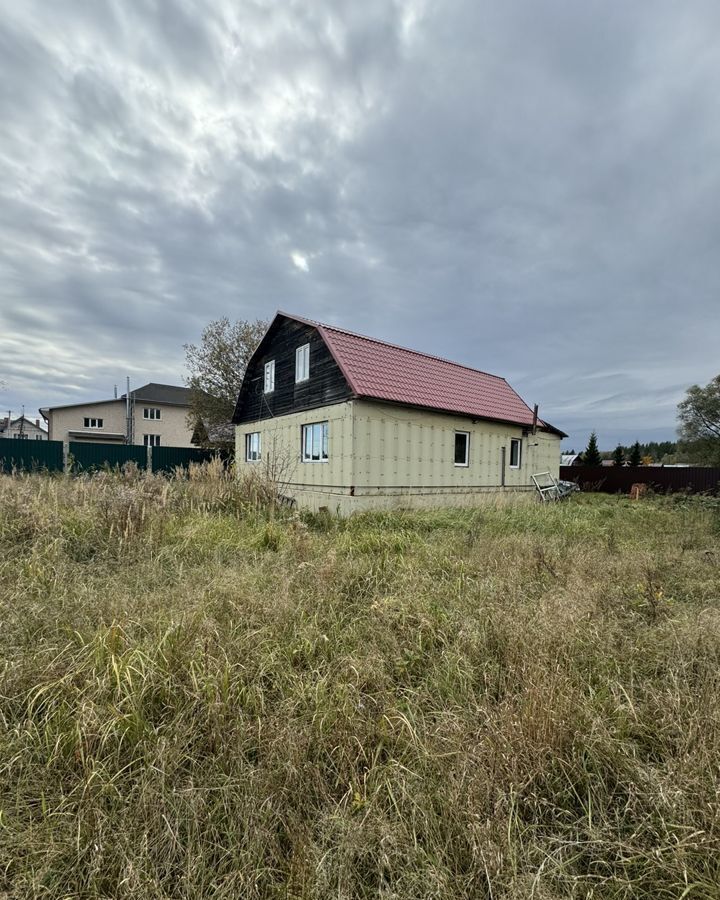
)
(27, 455)
(86, 456)
(167, 459)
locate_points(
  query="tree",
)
(635, 455)
(591, 456)
(619, 456)
(216, 368)
(699, 416)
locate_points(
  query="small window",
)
(252, 447)
(151, 440)
(151, 412)
(21, 437)
(515, 453)
(38, 437)
(270, 376)
(315, 442)
(93, 423)
(302, 363)
(462, 448)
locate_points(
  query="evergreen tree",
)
(619, 456)
(635, 454)
(592, 457)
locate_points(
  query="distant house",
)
(571, 459)
(155, 415)
(22, 428)
(349, 423)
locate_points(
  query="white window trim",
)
(152, 413)
(98, 422)
(269, 368)
(517, 441)
(466, 464)
(301, 352)
(151, 440)
(248, 436)
(306, 459)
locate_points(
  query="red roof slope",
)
(381, 371)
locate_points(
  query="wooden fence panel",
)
(663, 479)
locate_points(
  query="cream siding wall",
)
(315, 484)
(411, 452)
(386, 456)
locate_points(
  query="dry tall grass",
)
(507, 703)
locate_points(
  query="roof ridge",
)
(373, 340)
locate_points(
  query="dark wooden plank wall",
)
(326, 384)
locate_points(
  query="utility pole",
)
(128, 414)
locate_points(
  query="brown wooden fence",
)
(619, 479)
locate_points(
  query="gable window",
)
(252, 447)
(462, 448)
(151, 440)
(302, 363)
(93, 423)
(315, 442)
(270, 376)
(151, 412)
(515, 453)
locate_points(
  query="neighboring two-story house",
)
(22, 428)
(348, 422)
(155, 415)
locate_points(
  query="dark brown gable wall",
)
(326, 384)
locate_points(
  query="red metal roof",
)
(381, 371)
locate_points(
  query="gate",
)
(88, 456)
(166, 459)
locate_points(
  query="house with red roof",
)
(348, 423)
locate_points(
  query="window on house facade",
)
(38, 437)
(462, 448)
(252, 447)
(93, 423)
(315, 442)
(302, 363)
(151, 412)
(151, 440)
(21, 437)
(269, 376)
(515, 453)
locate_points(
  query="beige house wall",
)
(384, 456)
(172, 425)
(313, 484)
(70, 418)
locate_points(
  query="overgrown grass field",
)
(199, 701)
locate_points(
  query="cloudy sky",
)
(530, 187)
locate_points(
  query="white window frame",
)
(302, 363)
(89, 422)
(315, 435)
(151, 440)
(462, 465)
(269, 377)
(249, 451)
(518, 464)
(151, 412)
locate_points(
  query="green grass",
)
(199, 701)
